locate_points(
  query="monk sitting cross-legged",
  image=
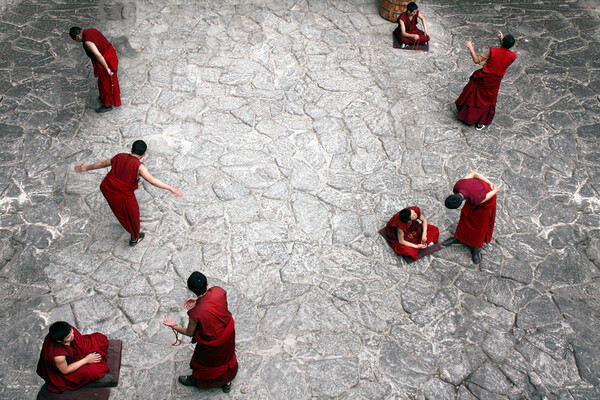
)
(408, 232)
(70, 360)
(407, 31)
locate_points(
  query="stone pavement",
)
(295, 132)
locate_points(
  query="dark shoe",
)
(476, 253)
(450, 241)
(187, 380)
(105, 381)
(102, 109)
(479, 127)
(226, 388)
(136, 241)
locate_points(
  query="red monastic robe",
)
(214, 362)
(476, 223)
(110, 94)
(477, 102)
(81, 346)
(410, 27)
(118, 188)
(412, 233)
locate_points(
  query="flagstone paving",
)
(295, 132)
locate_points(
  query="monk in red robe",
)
(120, 183)
(408, 232)
(407, 31)
(477, 103)
(211, 327)
(70, 360)
(105, 62)
(477, 217)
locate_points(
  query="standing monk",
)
(477, 217)
(407, 235)
(477, 103)
(105, 62)
(212, 328)
(69, 360)
(120, 183)
(407, 31)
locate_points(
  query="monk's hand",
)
(109, 72)
(422, 246)
(177, 192)
(169, 322)
(424, 239)
(81, 168)
(93, 358)
(500, 36)
(190, 303)
(468, 44)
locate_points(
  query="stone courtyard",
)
(296, 131)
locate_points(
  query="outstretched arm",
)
(476, 59)
(99, 57)
(64, 368)
(189, 331)
(97, 165)
(157, 182)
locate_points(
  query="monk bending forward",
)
(478, 215)
(120, 183)
(211, 327)
(408, 232)
(69, 360)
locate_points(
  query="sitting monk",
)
(407, 31)
(407, 236)
(69, 360)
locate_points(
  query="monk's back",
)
(125, 168)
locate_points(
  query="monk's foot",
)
(187, 380)
(136, 241)
(450, 241)
(476, 253)
(226, 388)
(479, 127)
(103, 108)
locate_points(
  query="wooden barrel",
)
(391, 9)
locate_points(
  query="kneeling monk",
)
(69, 360)
(407, 235)
(478, 215)
(212, 328)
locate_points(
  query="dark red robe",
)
(477, 102)
(214, 362)
(118, 188)
(476, 223)
(412, 233)
(81, 346)
(110, 94)
(410, 27)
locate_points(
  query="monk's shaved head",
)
(139, 147)
(412, 6)
(74, 31)
(453, 201)
(508, 41)
(59, 330)
(197, 283)
(405, 215)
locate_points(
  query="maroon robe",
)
(214, 362)
(110, 94)
(81, 346)
(413, 231)
(477, 102)
(118, 188)
(476, 223)
(410, 27)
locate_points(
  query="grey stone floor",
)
(295, 132)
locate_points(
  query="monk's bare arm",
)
(403, 31)
(476, 59)
(157, 182)
(97, 165)
(404, 242)
(491, 193)
(424, 24)
(424, 235)
(189, 331)
(64, 368)
(99, 57)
